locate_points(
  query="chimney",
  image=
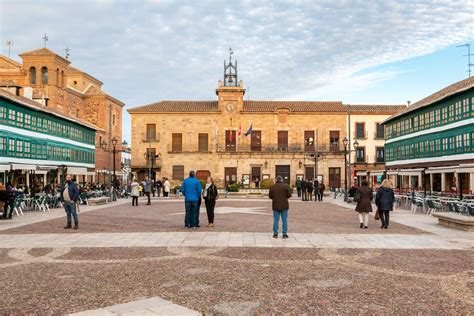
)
(408, 103)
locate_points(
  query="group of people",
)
(305, 189)
(384, 200)
(148, 187)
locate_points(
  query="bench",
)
(455, 221)
(98, 200)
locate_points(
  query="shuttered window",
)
(256, 141)
(283, 140)
(309, 140)
(177, 142)
(151, 132)
(178, 172)
(203, 142)
(360, 130)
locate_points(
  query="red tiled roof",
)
(450, 90)
(294, 106)
(376, 108)
(177, 106)
(249, 106)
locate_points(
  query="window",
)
(44, 75)
(12, 116)
(151, 132)
(19, 119)
(178, 172)
(379, 133)
(360, 130)
(113, 119)
(283, 140)
(308, 140)
(203, 142)
(360, 154)
(3, 114)
(77, 113)
(230, 140)
(379, 154)
(334, 140)
(177, 142)
(3, 145)
(28, 121)
(32, 75)
(256, 141)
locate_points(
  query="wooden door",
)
(177, 142)
(335, 177)
(230, 175)
(256, 174)
(284, 172)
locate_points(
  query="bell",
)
(230, 79)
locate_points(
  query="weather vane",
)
(45, 39)
(67, 50)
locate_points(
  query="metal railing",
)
(279, 148)
(150, 137)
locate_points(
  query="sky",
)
(357, 52)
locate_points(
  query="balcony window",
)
(256, 141)
(230, 141)
(203, 142)
(178, 172)
(379, 155)
(308, 140)
(379, 133)
(282, 140)
(334, 140)
(177, 142)
(360, 154)
(360, 130)
(151, 132)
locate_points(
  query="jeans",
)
(70, 209)
(191, 218)
(276, 220)
(384, 218)
(210, 205)
(134, 200)
(320, 195)
(148, 196)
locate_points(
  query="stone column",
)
(431, 182)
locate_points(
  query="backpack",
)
(357, 196)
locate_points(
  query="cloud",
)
(156, 50)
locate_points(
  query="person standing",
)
(210, 195)
(166, 188)
(68, 196)
(7, 197)
(364, 204)
(321, 188)
(158, 185)
(310, 190)
(147, 188)
(304, 189)
(191, 189)
(135, 192)
(384, 200)
(298, 186)
(279, 194)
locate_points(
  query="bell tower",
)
(230, 91)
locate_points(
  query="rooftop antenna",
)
(67, 50)
(9, 44)
(45, 39)
(469, 65)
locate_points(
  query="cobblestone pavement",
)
(326, 266)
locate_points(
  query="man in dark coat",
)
(68, 196)
(304, 192)
(298, 187)
(280, 193)
(7, 197)
(320, 190)
(310, 188)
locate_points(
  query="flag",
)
(239, 132)
(230, 136)
(249, 131)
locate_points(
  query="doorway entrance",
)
(230, 175)
(335, 177)
(256, 176)
(284, 172)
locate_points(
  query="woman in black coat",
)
(364, 204)
(384, 200)
(210, 195)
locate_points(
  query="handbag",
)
(377, 214)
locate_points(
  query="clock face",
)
(230, 107)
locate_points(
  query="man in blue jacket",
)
(68, 196)
(191, 189)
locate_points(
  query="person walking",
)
(68, 196)
(158, 186)
(298, 186)
(320, 189)
(147, 188)
(191, 189)
(279, 194)
(384, 200)
(310, 190)
(134, 192)
(166, 188)
(210, 195)
(364, 204)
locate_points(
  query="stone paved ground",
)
(326, 278)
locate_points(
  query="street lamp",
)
(104, 146)
(114, 143)
(347, 151)
(149, 155)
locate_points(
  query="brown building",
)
(209, 137)
(48, 78)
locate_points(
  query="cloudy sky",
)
(381, 52)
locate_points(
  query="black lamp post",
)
(114, 151)
(114, 143)
(347, 151)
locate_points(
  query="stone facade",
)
(232, 112)
(49, 79)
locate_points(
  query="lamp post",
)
(149, 156)
(114, 151)
(347, 151)
(114, 143)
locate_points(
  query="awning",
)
(465, 169)
(410, 172)
(376, 173)
(23, 167)
(4, 167)
(361, 173)
(77, 170)
(440, 170)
